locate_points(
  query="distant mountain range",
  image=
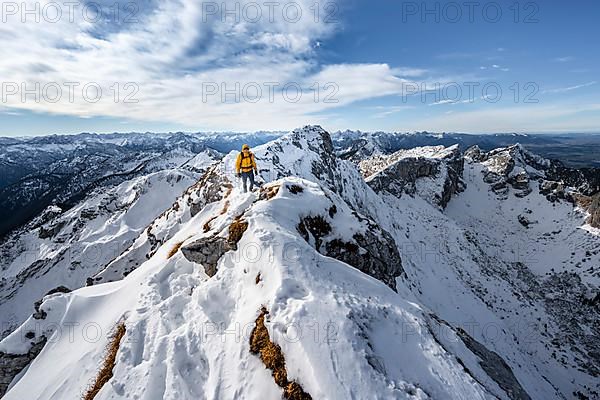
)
(63, 169)
(578, 150)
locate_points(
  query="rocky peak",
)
(307, 153)
(509, 166)
(432, 172)
(518, 168)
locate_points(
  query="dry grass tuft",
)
(236, 230)
(268, 192)
(272, 356)
(106, 370)
(206, 226)
(225, 207)
(175, 249)
(229, 188)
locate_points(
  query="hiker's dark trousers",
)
(248, 176)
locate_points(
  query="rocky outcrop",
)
(585, 180)
(12, 364)
(515, 167)
(41, 314)
(554, 191)
(372, 251)
(207, 252)
(509, 167)
(594, 210)
(434, 173)
(307, 151)
(213, 186)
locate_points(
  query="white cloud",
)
(564, 59)
(176, 50)
(570, 88)
(384, 111)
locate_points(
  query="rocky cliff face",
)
(594, 210)
(434, 173)
(511, 166)
(525, 172)
(13, 364)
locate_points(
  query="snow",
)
(343, 333)
(91, 234)
(187, 335)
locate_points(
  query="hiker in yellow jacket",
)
(245, 166)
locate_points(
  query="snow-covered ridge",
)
(312, 248)
(169, 304)
(64, 248)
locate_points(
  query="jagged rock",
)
(553, 190)
(373, 251)
(510, 166)
(12, 364)
(523, 193)
(523, 220)
(585, 180)
(50, 231)
(374, 255)
(401, 172)
(517, 167)
(519, 181)
(207, 251)
(318, 228)
(473, 153)
(209, 189)
(594, 210)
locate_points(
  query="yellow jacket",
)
(245, 164)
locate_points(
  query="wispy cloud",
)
(570, 88)
(564, 59)
(452, 102)
(384, 111)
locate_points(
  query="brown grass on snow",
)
(225, 207)
(206, 226)
(268, 192)
(175, 249)
(272, 356)
(106, 370)
(236, 230)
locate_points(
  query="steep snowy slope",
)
(63, 248)
(479, 268)
(188, 335)
(365, 292)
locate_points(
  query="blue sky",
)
(392, 65)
